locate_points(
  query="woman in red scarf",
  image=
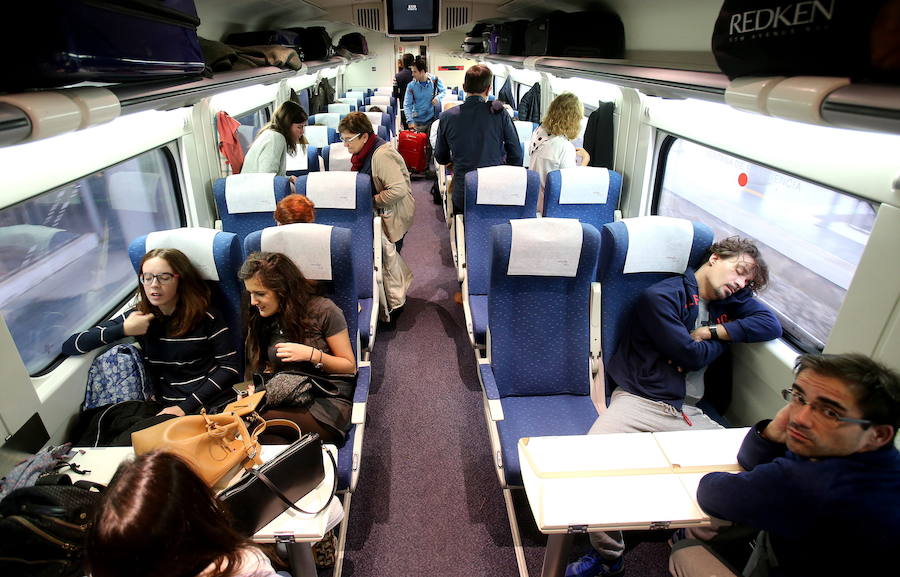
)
(392, 196)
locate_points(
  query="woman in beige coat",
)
(392, 196)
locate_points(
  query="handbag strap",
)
(265, 479)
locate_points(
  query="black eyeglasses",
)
(163, 277)
(824, 413)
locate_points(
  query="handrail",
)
(859, 106)
(169, 94)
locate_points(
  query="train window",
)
(251, 124)
(64, 254)
(812, 236)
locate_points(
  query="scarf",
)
(357, 160)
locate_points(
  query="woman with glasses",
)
(392, 196)
(292, 333)
(276, 140)
(187, 351)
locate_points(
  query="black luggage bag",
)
(103, 40)
(786, 38)
(511, 40)
(355, 42)
(315, 42)
(593, 34)
(264, 37)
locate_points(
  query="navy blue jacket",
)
(665, 315)
(832, 516)
(473, 135)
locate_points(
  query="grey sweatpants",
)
(628, 413)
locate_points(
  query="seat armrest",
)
(361, 394)
(376, 248)
(460, 248)
(595, 327)
(489, 385)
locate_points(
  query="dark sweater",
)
(832, 516)
(187, 371)
(474, 135)
(665, 315)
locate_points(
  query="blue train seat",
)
(588, 193)
(246, 202)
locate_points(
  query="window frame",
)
(664, 143)
(170, 158)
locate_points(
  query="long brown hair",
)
(287, 114)
(279, 274)
(193, 294)
(157, 517)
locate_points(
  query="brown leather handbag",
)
(215, 446)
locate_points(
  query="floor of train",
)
(428, 500)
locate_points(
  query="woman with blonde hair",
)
(551, 147)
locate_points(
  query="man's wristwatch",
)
(713, 334)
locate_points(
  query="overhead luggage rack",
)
(861, 106)
(16, 126)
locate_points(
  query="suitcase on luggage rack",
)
(592, 34)
(511, 39)
(411, 146)
(102, 40)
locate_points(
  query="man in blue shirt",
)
(476, 134)
(422, 95)
(821, 480)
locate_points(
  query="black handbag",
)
(43, 527)
(263, 494)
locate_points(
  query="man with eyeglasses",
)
(681, 324)
(821, 480)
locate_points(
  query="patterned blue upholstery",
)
(479, 218)
(540, 348)
(537, 417)
(326, 157)
(360, 222)
(620, 289)
(243, 223)
(329, 119)
(389, 110)
(342, 290)
(595, 214)
(382, 119)
(227, 255)
(312, 161)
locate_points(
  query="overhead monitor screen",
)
(408, 17)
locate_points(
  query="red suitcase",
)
(411, 146)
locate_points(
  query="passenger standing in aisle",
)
(392, 196)
(551, 147)
(276, 140)
(422, 95)
(401, 81)
(475, 134)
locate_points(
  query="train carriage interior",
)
(806, 165)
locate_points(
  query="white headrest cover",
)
(380, 101)
(339, 108)
(332, 189)
(375, 118)
(339, 158)
(502, 185)
(196, 243)
(355, 94)
(584, 185)
(299, 161)
(348, 100)
(450, 104)
(251, 192)
(524, 129)
(658, 244)
(384, 90)
(307, 244)
(545, 247)
(316, 135)
(329, 119)
(133, 190)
